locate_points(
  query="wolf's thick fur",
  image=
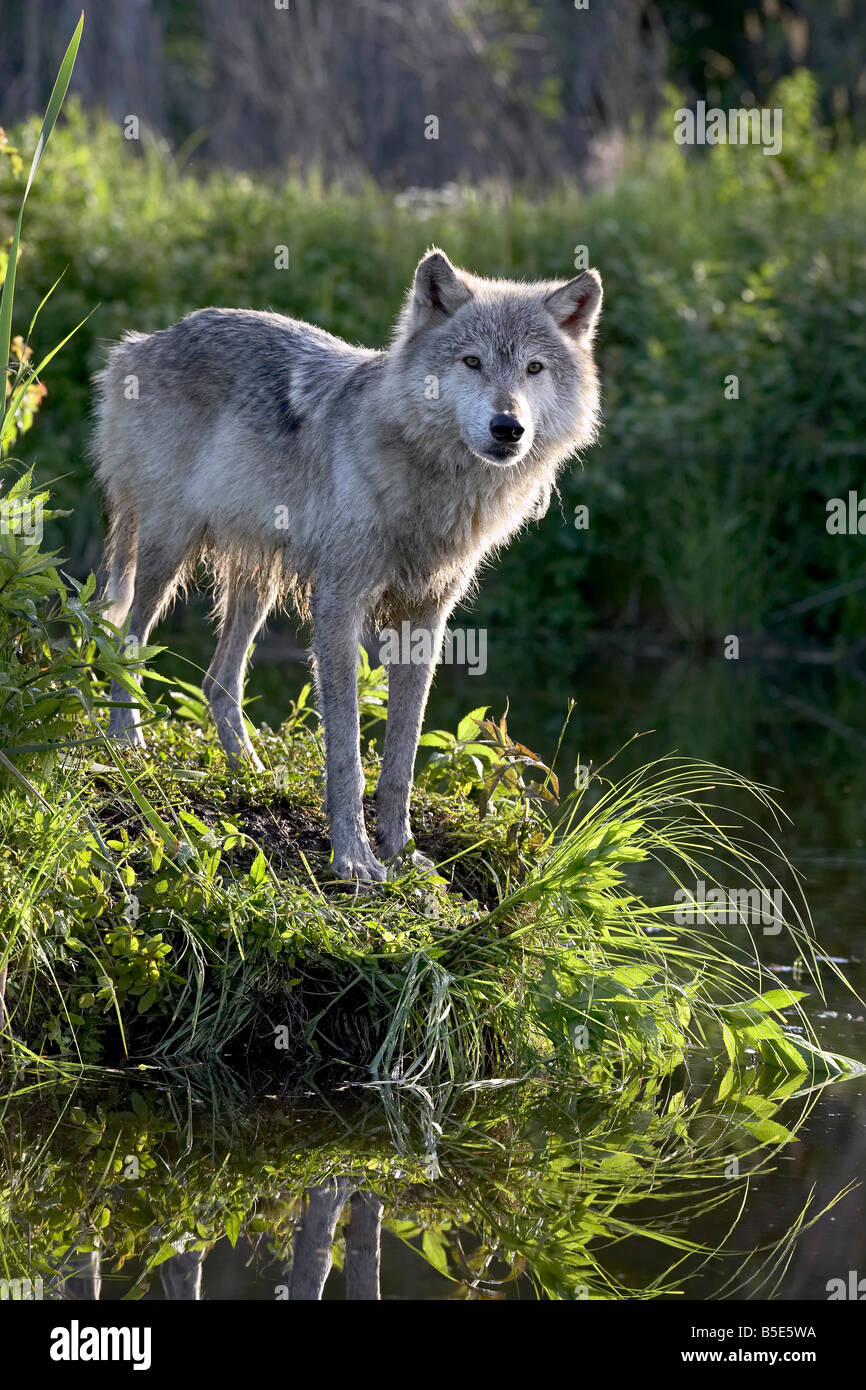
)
(359, 483)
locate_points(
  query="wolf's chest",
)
(441, 543)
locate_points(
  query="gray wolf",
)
(360, 484)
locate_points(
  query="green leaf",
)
(470, 724)
(259, 869)
(434, 1250)
(776, 999)
(769, 1132)
(438, 738)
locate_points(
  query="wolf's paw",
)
(127, 731)
(234, 738)
(246, 754)
(359, 863)
(407, 857)
(422, 863)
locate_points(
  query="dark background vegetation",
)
(306, 128)
(525, 89)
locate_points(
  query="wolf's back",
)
(269, 372)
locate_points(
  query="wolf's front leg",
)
(337, 632)
(409, 684)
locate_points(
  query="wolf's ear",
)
(577, 305)
(438, 289)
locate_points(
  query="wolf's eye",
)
(534, 368)
(473, 362)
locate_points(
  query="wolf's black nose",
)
(506, 429)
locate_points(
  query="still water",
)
(513, 1191)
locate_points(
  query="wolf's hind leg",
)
(122, 556)
(245, 611)
(160, 564)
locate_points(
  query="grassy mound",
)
(162, 905)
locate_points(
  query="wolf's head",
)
(498, 368)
